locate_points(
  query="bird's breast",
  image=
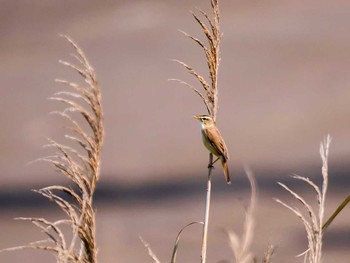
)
(208, 144)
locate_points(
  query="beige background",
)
(284, 85)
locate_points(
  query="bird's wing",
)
(216, 141)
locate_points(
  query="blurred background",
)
(283, 86)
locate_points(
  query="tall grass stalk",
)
(206, 212)
(210, 99)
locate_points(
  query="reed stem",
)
(206, 213)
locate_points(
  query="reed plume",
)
(313, 223)
(80, 164)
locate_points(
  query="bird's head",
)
(205, 119)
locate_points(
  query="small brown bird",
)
(214, 142)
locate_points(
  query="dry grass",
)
(150, 251)
(81, 166)
(336, 213)
(313, 223)
(212, 52)
(177, 240)
(241, 245)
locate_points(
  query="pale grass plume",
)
(241, 245)
(80, 164)
(314, 220)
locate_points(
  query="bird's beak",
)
(196, 117)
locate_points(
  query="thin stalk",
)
(207, 210)
(336, 212)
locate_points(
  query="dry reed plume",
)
(212, 52)
(314, 222)
(81, 166)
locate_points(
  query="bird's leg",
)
(211, 165)
(216, 160)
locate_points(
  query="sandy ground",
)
(283, 87)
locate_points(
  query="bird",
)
(214, 142)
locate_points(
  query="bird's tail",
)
(226, 172)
